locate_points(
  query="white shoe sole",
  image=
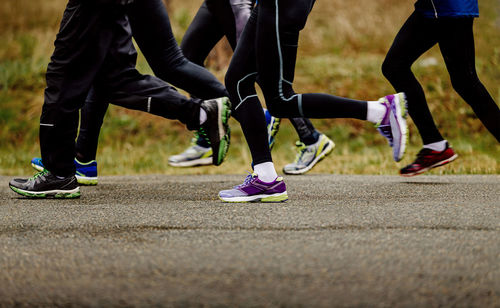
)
(279, 197)
(57, 193)
(193, 163)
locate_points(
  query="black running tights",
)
(456, 41)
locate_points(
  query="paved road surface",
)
(340, 241)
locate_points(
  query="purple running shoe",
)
(254, 190)
(393, 125)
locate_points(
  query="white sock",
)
(439, 146)
(375, 111)
(203, 116)
(266, 172)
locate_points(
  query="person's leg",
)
(264, 185)
(417, 35)
(201, 36)
(241, 11)
(457, 46)
(91, 119)
(279, 24)
(128, 88)
(306, 131)
(240, 82)
(153, 33)
(80, 48)
(167, 61)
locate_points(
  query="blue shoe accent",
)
(273, 126)
(36, 163)
(86, 173)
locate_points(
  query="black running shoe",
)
(216, 127)
(44, 184)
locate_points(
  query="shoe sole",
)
(274, 198)
(192, 163)
(224, 131)
(326, 151)
(57, 194)
(397, 119)
(86, 181)
(82, 180)
(438, 164)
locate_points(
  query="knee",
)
(463, 81)
(390, 68)
(230, 80)
(294, 18)
(277, 107)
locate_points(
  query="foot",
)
(309, 156)
(216, 128)
(254, 190)
(273, 126)
(44, 184)
(428, 159)
(86, 173)
(393, 125)
(194, 155)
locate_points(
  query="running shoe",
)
(194, 155)
(216, 128)
(254, 190)
(393, 125)
(428, 159)
(309, 155)
(44, 185)
(86, 173)
(273, 126)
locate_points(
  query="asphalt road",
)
(340, 241)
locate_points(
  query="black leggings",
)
(267, 53)
(216, 19)
(152, 31)
(94, 50)
(456, 41)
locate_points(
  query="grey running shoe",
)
(44, 184)
(308, 156)
(216, 127)
(194, 155)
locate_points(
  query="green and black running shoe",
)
(216, 128)
(44, 185)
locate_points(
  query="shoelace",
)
(247, 180)
(39, 174)
(302, 150)
(422, 156)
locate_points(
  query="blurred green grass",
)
(341, 51)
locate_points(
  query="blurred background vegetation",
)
(341, 51)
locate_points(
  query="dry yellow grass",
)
(341, 50)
